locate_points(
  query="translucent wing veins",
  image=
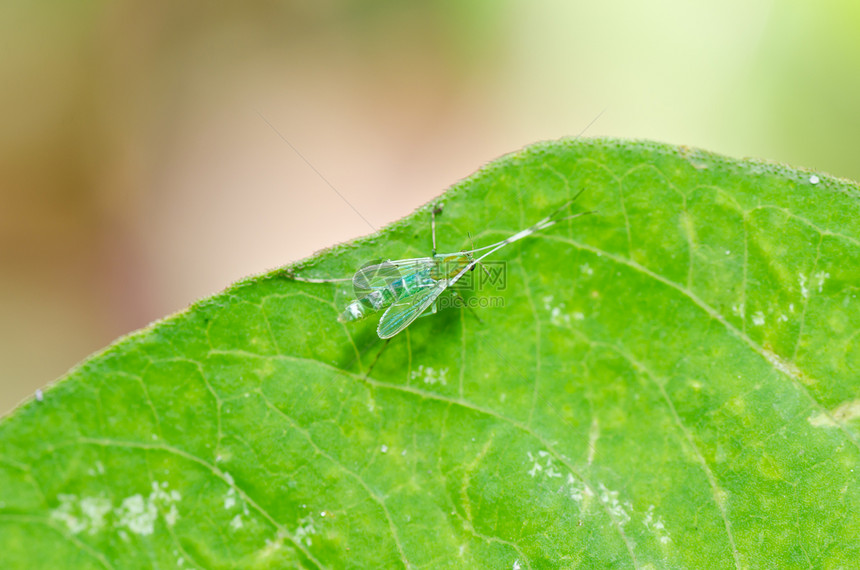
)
(401, 313)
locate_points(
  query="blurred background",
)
(138, 172)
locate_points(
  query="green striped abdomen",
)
(382, 297)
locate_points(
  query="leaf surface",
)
(672, 382)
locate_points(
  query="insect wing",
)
(411, 266)
(374, 277)
(384, 274)
(401, 314)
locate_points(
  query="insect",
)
(409, 288)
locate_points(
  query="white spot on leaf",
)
(557, 315)
(305, 530)
(138, 514)
(804, 292)
(614, 506)
(87, 514)
(656, 526)
(237, 523)
(557, 318)
(577, 490)
(430, 375)
(135, 513)
(171, 516)
(535, 468)
(230, 497)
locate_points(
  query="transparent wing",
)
(401, 313)
(383, 283)
(382, 274)
(373, 277)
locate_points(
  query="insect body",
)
(409, 288)
(411, 285)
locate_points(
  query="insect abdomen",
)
(370, 303)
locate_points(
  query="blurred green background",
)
(137, 175)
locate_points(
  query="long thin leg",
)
(485, 270)
(375, 360)
(433, 212)
(292, 276)
(463, 300)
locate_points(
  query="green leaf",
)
(672, 382)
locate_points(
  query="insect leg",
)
(465, 304)
(375, 360)
(431, 310)
(433, 212)
(484, 269)
(290, 274)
